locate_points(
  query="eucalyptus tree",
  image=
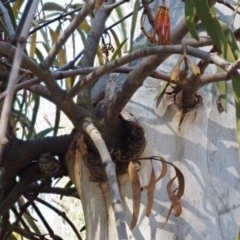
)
(154, 109)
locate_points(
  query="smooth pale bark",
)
(204, 148)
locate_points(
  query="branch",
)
(21, 152)
(13, 75)
(148, 12)
(90, 49)
(62, 16)
(217, 77)
(96, 137)
(22, 232)
(69, 192)
(87, 8)
(62, 214)
(32, 173)
(160, 55)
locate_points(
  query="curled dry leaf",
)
(150, 192)
(136, 193)
(175, 199)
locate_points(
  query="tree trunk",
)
(205, 150)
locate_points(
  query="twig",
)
(23, 232)
(148, 12)
(96, 137)
(62, 214)
(87, 8)
(13, 75)
(53, 20)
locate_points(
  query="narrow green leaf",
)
(238, 235)
(115, 37)
(39, 55)
(118, 51)
(16, 7)
(32, 223)
(189, 17)
(160, 93)
(134, 22)
(13, 237)
(52, 6)
(57, 121)
(36, 101)
(33, 45)
(119, 10)
(43, 133)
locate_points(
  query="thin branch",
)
(96, 137)
(148, 51)
(87, 8)
(115, 4)
(44, 221)
(69, 192)
(13, 75)
(7, 21)
(148, 12)
(217, 77)
(22, 232)
(21, 152)
(62, 214)
(32, 174)
(228, 5)
(61, 16)
(90, 49)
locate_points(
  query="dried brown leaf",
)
(175, 199)
(136, 191)
(150, 192)
(164, 169)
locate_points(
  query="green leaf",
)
(36, 101)
(33, 45)
(119, 10)
(118, 51)
(68, 185)
(134, 22)
(16, 7)
(43, 133)
(115, 36)
(52, 6)
(160, 93)
(189, 17)
(238, 235)
(13, 237)
(39, 55)
(57, 121)
(31, 223)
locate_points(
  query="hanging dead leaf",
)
(150, 192)
(163, 172)
(164, 169)
(175, 199)
(136, 193)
